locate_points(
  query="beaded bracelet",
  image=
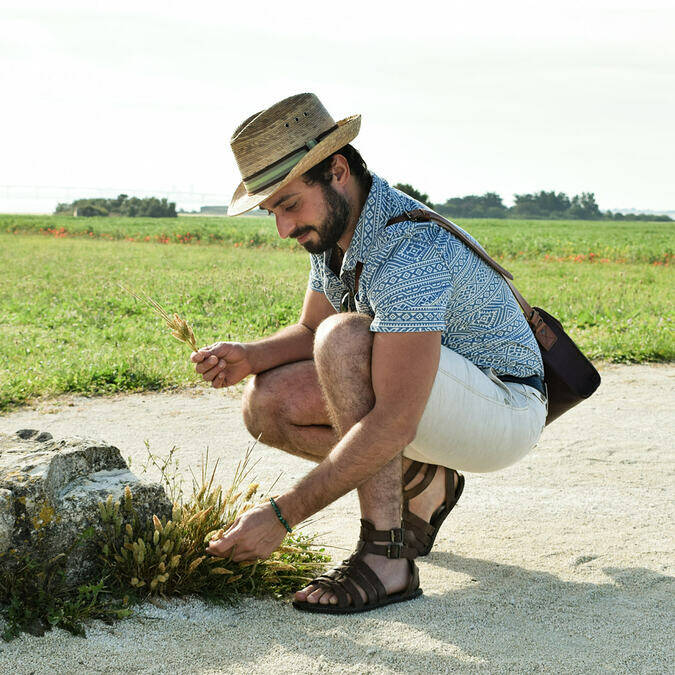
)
(279, 516)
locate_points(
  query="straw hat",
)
(278, 144)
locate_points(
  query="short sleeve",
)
(410, 288)
(315, 277)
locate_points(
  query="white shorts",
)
(475, 422)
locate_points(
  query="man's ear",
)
(340, 169)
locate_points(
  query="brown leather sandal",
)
(346, 579)
(425, 532)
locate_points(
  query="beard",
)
(333, 225)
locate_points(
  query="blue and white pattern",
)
(419, 277)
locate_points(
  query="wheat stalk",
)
(180, 328)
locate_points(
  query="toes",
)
(301, 595)
(315, 596)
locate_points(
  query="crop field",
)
(556, 240)
(67, 326)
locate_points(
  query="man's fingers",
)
(211, 374)
(220, 380)
(201, 354)
(220, 547)
(220, 349)
(208, 364)
(226, 547)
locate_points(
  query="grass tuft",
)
(160, 557)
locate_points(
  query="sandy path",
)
(562, 563)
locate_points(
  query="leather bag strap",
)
(422, 216)
(545, 336)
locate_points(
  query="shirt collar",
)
(373, 217)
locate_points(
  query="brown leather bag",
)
(570, 377)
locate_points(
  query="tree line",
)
(538, 205)
(122, 205)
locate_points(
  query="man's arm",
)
(403, 370)
(404, 367)
(226, 363)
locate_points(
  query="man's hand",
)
(222, 364)
(254, 535)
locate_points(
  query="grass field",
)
(606, 241)
(67, 327)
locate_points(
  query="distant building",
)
(222, 211)
(214, 210)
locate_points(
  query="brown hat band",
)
(278, 170)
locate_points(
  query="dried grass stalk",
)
(180, 328)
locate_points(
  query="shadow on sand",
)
(503, 618)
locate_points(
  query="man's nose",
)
(285, 226)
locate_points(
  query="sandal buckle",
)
(396, 535)
(394, 550)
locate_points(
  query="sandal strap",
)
(412, 471)
(353, 574)
(369, 533)
(336, 586)
(393, 551)
(374, 583)
(422, 530)
(393, 544)
(429, 474)
(450, 489)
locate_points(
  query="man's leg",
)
(285, 407)
(342, 354)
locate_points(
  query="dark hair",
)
(321, 172)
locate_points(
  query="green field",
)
(67, 327)
(624, 242)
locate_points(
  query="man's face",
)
(315, 215)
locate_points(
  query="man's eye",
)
(292, 206)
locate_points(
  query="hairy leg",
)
(285, 407)
(342, 354)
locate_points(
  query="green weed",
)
(36, 596)
(167, 557)
(164, 558)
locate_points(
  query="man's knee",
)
(259, 406)
(342, 336)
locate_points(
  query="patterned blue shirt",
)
(419, 277)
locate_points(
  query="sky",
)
(456, 98)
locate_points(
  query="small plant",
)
(160, 557)
(167, 557)
(35, 595)
(168, 466)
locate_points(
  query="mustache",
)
(300, 231)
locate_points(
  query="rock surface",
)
(50, 491)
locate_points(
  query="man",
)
(437, 370)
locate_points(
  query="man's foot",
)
(430, 493)
(394, 575)
(379, 573)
